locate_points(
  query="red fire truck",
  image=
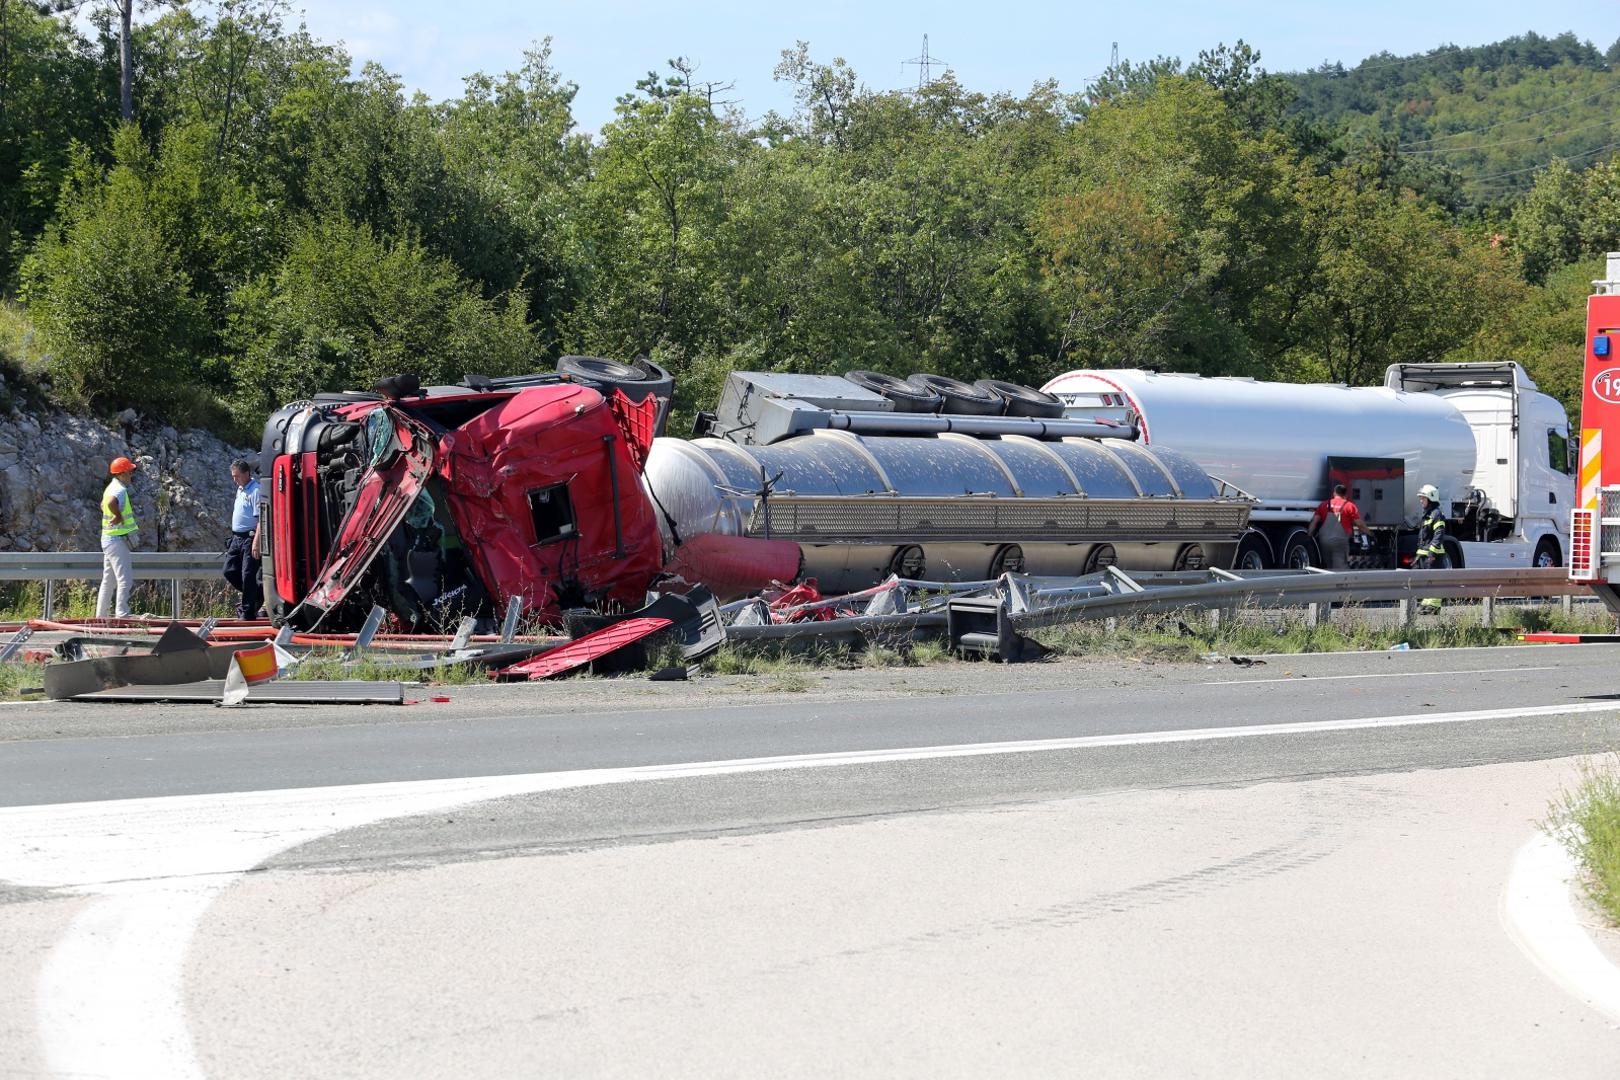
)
(1595, 524)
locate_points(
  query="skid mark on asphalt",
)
(1308, 847)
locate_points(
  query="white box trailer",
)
(1495, 447)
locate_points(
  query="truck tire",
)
(1299, 551)
(1454, 554)
(1254, 552)
(637, 380)
(960, 398)
(907, 398)
(1099, 558)
(1192, 557)
(1547, 554)
(1023, 400)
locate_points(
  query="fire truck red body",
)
(1595, 527)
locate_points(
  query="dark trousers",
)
(242, 571)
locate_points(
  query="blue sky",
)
(604, 46)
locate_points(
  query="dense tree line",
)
(269, 224)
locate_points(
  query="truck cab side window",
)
(552, 513)
(1558, 455)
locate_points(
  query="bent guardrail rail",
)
(1018, 603)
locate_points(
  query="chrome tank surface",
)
(862, 506)
(1273, 440)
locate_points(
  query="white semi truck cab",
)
(1495, 447)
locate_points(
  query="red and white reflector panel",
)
(1583, 549)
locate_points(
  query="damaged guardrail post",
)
(514, 608)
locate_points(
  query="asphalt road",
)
(1288, 869)
(63, 752)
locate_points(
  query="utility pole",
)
(126, 61)
(925, 65)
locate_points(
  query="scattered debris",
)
(1246, 661)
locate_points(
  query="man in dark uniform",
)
(1431, 549)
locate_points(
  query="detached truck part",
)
(1495, 447)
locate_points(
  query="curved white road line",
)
(1540, 917)
(111, 997)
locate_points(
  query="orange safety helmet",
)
(121, 465)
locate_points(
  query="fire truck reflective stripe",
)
(1591, 466)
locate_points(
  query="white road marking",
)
(1380, 675)
(111, 999)
(1538, 915)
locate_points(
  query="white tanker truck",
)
(1496, 448)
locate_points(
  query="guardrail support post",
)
(50, 599)
(174, 598)
(1313, 615)
(1487, 611)
(1403, 612)
(1567, 603)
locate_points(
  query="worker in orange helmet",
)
(117, 536)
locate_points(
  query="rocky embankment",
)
(53, 467)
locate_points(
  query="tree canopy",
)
(271, 222)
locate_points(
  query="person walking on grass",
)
(242, 550)
(118, 530)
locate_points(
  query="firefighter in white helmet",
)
(1431, 549)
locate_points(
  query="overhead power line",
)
(1544, 164)
(1515, 120)
(1511, 142)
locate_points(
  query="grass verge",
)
(1587, 819)
(1190, 635)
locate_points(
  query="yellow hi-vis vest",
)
(123, 523)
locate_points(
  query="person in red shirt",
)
(1332, 525)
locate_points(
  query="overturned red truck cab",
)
(446, 501)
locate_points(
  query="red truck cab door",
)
(402, 457)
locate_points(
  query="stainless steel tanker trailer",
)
(931, 479)
(1497, 449)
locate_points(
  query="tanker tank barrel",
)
(931, 423)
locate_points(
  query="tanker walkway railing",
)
(50, 567)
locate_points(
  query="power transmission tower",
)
(925, 65)
(1113, 57)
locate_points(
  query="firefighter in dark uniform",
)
(1431, 549)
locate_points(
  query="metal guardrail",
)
(1139, 594)
(53, 566)
(1018, 603)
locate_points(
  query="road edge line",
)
(1538, 914)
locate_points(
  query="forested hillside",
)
(1471, 126)
(266, 223)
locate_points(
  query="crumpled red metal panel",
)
(637, 421)
(540, 437)
(583, 650)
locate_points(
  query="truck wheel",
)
(1547, 554)
(1191, 557)
(637, 381)
(1299, 552)
(909, 562)
(907, 397)
(1008, 559)
(960, 398)
(1253, 553)
(1022, 400)
(1100, 557)
(1454, 554)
